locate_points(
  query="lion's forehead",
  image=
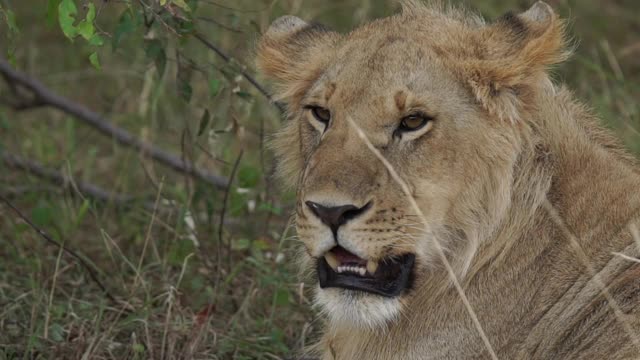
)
(370, 71)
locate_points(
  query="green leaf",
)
(126, 25)
(96, 40)
(91, 13)
(155, 51)
(93, 59)
(11, 20)
(66, 17)
(85, 29)
(204, 121)
(181, 4)
(52, 11)
(214, 87)
(82, 211)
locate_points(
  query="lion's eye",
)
(321, 114)
(414, 122)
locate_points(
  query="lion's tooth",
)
(332, 260)
(362, 271)
(372, 266)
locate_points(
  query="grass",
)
(183, 290)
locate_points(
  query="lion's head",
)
(423, 105)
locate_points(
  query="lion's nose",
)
(336, 216)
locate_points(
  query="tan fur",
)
(505, 148)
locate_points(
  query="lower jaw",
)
(391, 280)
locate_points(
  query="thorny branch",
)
(42, 96)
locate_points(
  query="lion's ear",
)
(292, 52)
(520, 49)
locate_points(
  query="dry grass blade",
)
(148, 236)
(427, 229)
(626, 257)
(555, 216)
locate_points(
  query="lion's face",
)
(359, 227)
(390, 90)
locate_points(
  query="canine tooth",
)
(332, 260)
(340, 269)
(372, 266)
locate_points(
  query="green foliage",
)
(127, 25)
(66, 18)
(8, 20)
(154, 50)
(93, 58)
(67, 12)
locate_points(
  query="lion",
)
(453, 201)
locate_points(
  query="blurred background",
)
(134, 132)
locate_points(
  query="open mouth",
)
(388, 277)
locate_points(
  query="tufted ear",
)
(520, 49)
(293, 52)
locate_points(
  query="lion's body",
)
(528, 195)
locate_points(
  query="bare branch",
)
(90, 269)
(46, 97)
(93, 191)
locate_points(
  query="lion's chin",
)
(356, 309)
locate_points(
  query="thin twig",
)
(90, 270)
(246, 75)
(217, 23)
(45, 96)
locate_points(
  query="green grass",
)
(184, 292)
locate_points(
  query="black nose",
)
(336, 216)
